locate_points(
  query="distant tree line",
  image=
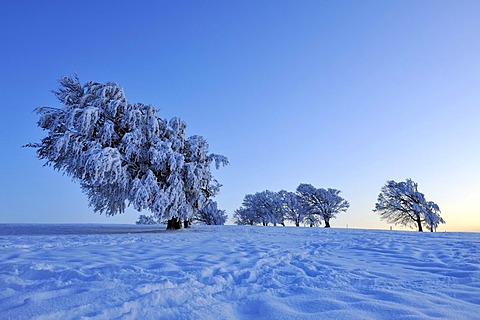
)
(308, 205)
(398, 203)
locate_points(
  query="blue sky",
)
(343, 94)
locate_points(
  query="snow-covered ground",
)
(236, 272)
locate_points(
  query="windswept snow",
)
(236, 272)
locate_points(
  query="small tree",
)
(262, 207)
(254, 210)
(246, 216)
(272, 206)
(123, 153)
(211, 215)
(313, 219)
(292, 207)
(144, 219)
(432, 216)
(325, 203)
(402, 203)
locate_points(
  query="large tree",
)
(123, 153)
(324, 203)
(402, 203)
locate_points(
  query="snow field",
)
(236, 272)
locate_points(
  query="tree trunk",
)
(186, 223)
(327, 223)
(419, 223)
(297, 224)
(173, 224)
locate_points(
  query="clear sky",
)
(341, 94)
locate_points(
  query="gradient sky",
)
(341, 94)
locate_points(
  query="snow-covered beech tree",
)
(402, 203)
(144, 219)
(262, 207)
(312, 219)
(211, 215)
(125, 154)
(246, 216)
(432, 216)
(325, 203)
(272, 206)
(267, 205)
(309, 205)
(292, 207)
(255, 207)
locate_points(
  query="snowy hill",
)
(236, 272)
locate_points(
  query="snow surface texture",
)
(236, 272)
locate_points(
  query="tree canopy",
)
(124, 154)
(324, 203)
(402, 203)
